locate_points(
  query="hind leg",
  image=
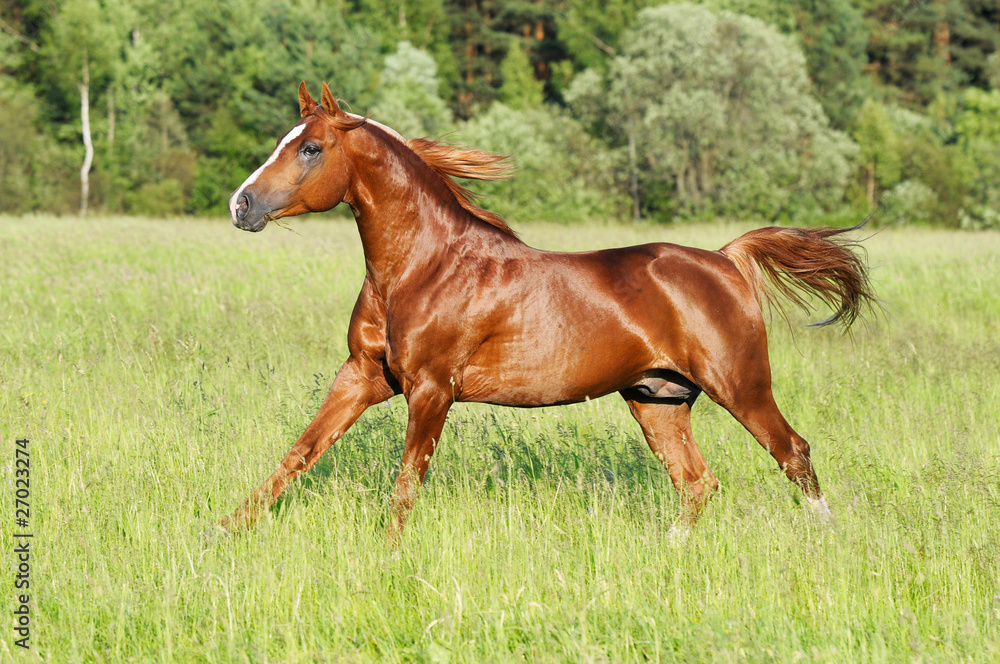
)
(667, 427)
(744, 389)
(765, 422)
(736, 374)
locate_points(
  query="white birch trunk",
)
(88, 144)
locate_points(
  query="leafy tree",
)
(80, 48)
(18, 141)
(879, 149)
(408, 100)
(909, 201)
(718, 108)
(592, 30)
(563, 174)
(930, 154)
(420, 22)
(779, 14)
(977, 128)
(481, 33)
(979, 118)
(831, 33)
(241, 61)
(709, 118)
(833, 37)
(923, 49)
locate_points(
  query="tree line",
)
(773, 109)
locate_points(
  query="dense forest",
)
(788, 110)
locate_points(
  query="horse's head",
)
(307, 172)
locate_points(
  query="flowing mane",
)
(450, 162)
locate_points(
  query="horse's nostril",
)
(242, 205)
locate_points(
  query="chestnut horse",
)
(454, 307)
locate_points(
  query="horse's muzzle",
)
(245, 217)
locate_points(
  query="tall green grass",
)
(161, 370)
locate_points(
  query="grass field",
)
(161, 369)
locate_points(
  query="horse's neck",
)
(406, 217)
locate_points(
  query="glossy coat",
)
(454, 307)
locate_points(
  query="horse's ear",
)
(329, 103)
(306, 103)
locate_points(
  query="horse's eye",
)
(310, 150)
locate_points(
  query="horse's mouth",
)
(253, 227)
(248, 211)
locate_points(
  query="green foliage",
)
(920, 50)
(833, 37)
(977, 129)
(878, 149)
(408, 98)
(519, 90)
(93, 29)
(721, 111)
(19, 140)
(910, 201)
(165, 196)
(420, 22)
(779, 14)
(33, 167)
(955, 152)
(593, 30)
(10, 53)
(197, 94)
(481, 33)
(877, 142)
(943, 167)
(587, 97)
(563, 174)
(258, 49)
(979, 118)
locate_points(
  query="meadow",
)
(162, 368)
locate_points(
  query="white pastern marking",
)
(678, 535)
(821, 509)
(289, 137)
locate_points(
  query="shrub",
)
(910, 201)
(563, 173)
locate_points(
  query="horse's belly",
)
(533, 377)
(540, 390)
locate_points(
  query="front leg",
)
(359, 384)
(428, 408)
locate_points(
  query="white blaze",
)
(289, 137)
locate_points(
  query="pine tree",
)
(519, 90)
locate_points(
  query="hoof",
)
(822, 511)
(214, 534)
(678, 535)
